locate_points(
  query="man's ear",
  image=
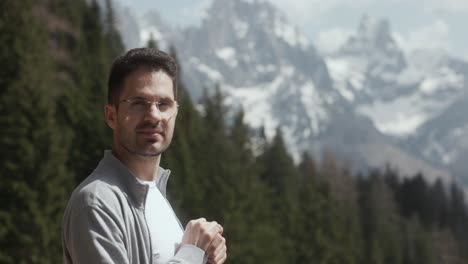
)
(110, 112)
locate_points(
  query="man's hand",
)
(201, 233)
(217, 250)
(208, 237)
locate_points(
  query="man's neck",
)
(144, 168)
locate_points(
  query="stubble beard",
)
(142, 154)
(135, 149)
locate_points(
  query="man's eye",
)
(166, 104)
(139, 103)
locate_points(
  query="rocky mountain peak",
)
(241, 20)
(246, 43)
(227, 9)
(373, 41)
(367, 67)
(374, 32)
(263, 64)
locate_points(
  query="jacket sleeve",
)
(189, 254)
(94, 238)
(97, 238)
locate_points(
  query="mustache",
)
(148, 125)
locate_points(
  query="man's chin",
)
(145, 151)
(152, 151)
(149, 152)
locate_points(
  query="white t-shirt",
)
(165, 230)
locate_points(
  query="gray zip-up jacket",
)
(104, 221)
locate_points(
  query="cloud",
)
(447, 6)
(304, 12)
(330, 40)
(434, 36)
(197, 11)
(442, 30)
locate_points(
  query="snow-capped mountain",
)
(127, 22)
(398, 91)
(418, 97)
(246, 43)
(373, 60)
(443, 140)
(155, 27)
(267, 66)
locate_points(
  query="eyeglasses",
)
(138, 106)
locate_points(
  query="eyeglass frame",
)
(149, 103)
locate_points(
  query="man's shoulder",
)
(98, 189)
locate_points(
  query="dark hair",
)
(134, 59)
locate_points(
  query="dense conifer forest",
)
(55, 56)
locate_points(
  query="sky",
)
(435, 24)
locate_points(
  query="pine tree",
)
(459, 217)
(34, 181)
(183, 156)
(341, 224)
(251, 229)
(113, 40)
(313, 242)
(281, 177)
(438, 205)
(218, 177)
(446, 248)
(380, 222)
(85, 94)
(152, 43)
(413, 197)
(279, 171)
(417, 246)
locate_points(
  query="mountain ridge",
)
(284, 82)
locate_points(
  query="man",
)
(119, 214)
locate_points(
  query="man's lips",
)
(150, 132)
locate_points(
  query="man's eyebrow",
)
(166, 98)
(159, 98)
(137, 97)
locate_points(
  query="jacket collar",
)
(135, 189)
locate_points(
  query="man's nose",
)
(153, 112)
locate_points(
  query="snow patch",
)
(289, 33)
(330, 41)
(266, 68)
(399, 117)
(435, 148)
(146, 33)
(256, 102)
(241, 28)
(434, 36)
(347, 74)
(207, 70)
(288, 70)
(401, 124)
(410, 76)
(228, 55)
(288, 137)
(446, 78)
(313, 106)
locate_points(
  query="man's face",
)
(144, 133)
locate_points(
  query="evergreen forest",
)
(54, 61)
